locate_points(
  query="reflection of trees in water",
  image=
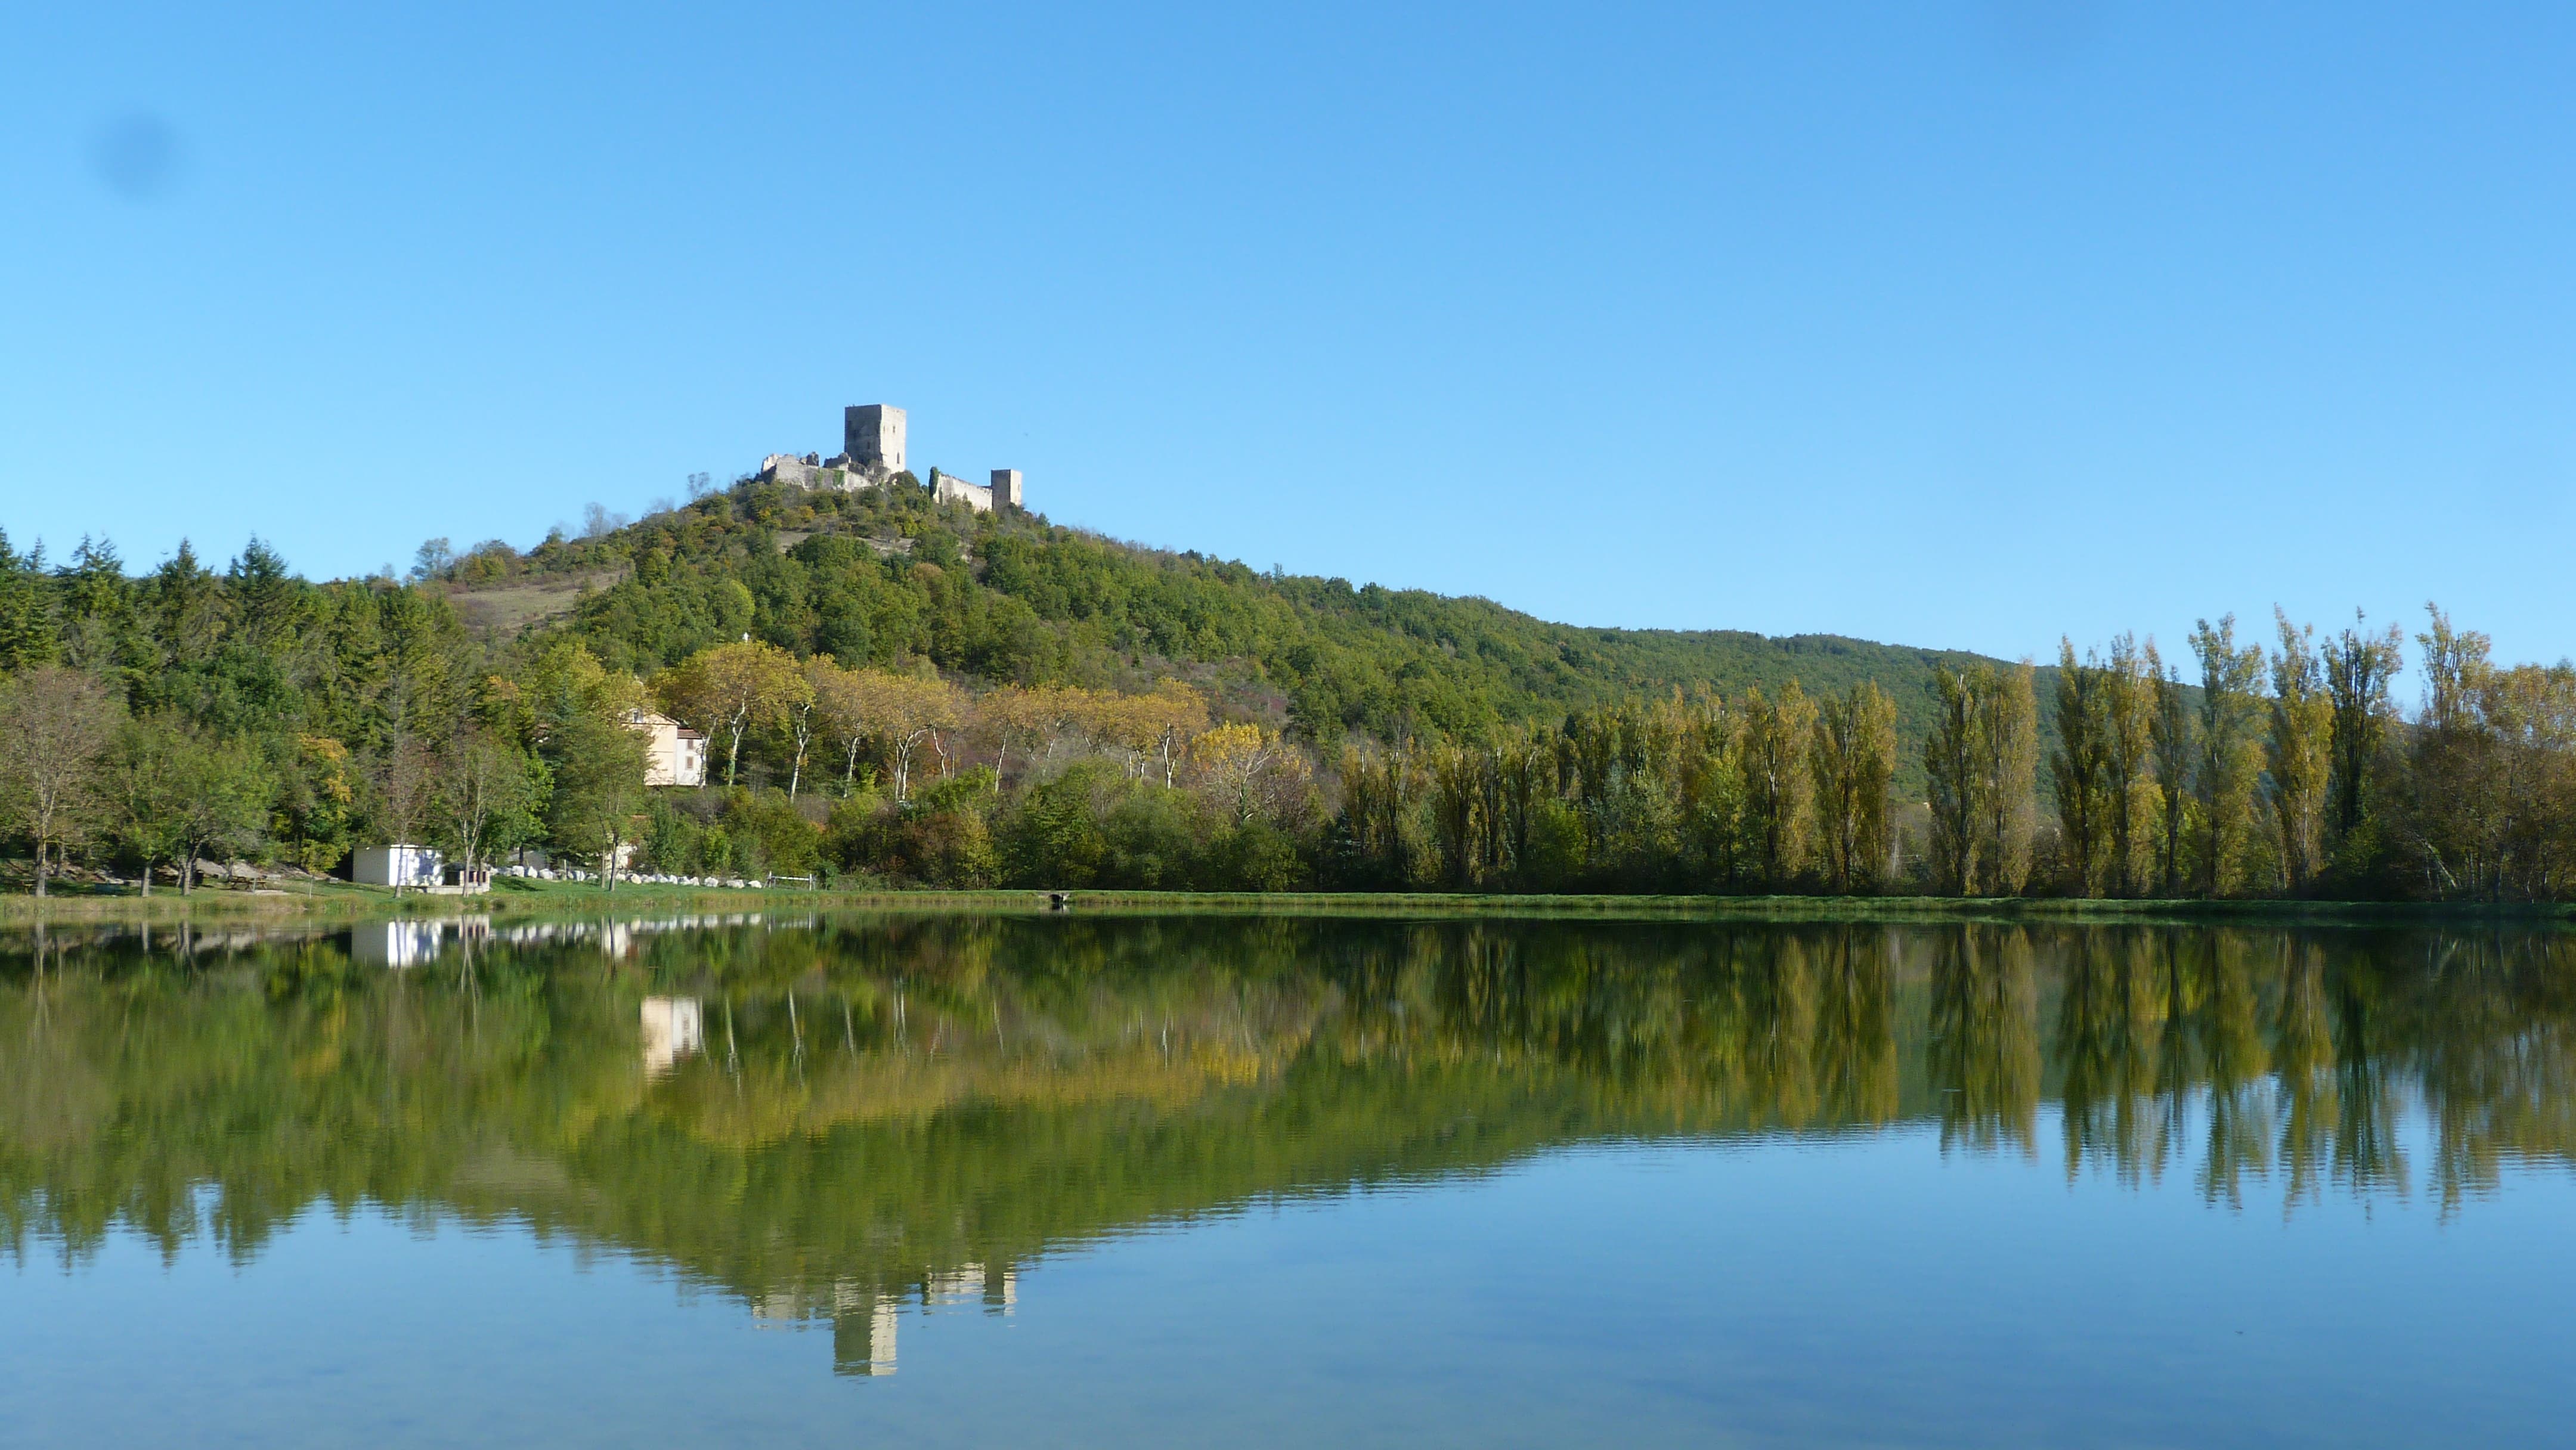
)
(2497, 1064)
(2110, 1041)
(880, 1111)
(1984, 1047)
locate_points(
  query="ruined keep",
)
(872, 438)
(872, 451)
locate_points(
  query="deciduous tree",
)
(2080, 766)
(598, 800)
(55, 723)
(2008, 745)
(732, 689)
(1853, 759)
(2173, 733)
(2226, 772)
(1952, 768)
(2297, 753)
(2359, 667)
(1778, 799)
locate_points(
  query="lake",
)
(1079, 1180)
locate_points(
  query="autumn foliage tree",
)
(1853, 758)
(732, 689)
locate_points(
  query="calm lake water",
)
(1260, 1182)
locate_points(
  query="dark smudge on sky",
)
(137, 156)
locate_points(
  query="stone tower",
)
(872, 438)
(1006, 488)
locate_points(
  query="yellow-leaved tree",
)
(731, 689)
(1247, 770)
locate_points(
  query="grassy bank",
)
(339, 901)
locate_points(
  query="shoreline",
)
(343, 904)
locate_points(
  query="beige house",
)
(674, 754)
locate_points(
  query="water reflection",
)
(852, 1120)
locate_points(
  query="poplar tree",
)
(2128, 716)
(2174, 736)
(1952, 767)
(1853, 758)
(2358, 669)
(2297, 752)
(2080, 765)
(2008, 777)
(2458, 818)
(2224, 775)
(1777, 805)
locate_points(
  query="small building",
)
(396, 865)
(674, 754)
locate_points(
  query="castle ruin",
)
(872, 452)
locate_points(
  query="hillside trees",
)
(26, 608)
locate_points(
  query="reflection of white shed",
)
(394, 944)
(396, 865)
(673, 1029)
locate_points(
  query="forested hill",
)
(886, 574)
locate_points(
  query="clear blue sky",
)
(1960, 324)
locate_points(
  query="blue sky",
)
(1961, 324)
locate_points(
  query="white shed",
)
(396, 865)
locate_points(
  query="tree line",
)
(192, 714)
